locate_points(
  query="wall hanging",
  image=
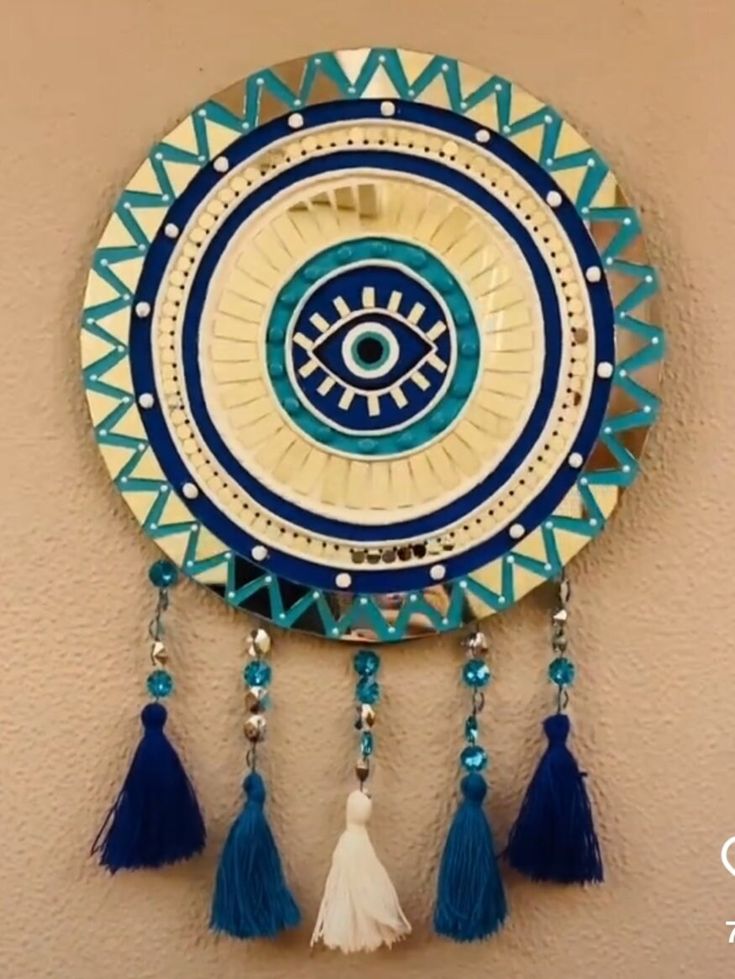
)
(370, 352)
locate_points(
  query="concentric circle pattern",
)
(367, 344)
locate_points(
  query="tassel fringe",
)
(360, 910)
(554, 837)
(155, 819)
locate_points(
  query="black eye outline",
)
(377, 326)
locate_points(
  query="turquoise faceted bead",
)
(257, 673)
(163, 574)
(474, 758)
(367, 690)
(561, 671)
(160, 684)
(367, 663)
(476, 673)
(366, 743)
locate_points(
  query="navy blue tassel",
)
(554, 837)
(155, 819)
(251, 896)
(470, 902)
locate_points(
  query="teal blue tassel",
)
(251, 896)
(470, 902)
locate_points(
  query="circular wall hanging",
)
(368, 344)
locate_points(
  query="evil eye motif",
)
(368, 359)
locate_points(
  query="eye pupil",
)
(370, 350)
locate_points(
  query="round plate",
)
(368, 344)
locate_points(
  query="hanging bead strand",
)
(470, 903)
(155, 819)
(561, 669)
(554, 837)
(367, 695)
(251, 896)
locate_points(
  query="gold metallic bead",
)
(258, 643)
(362, 769)
(476, 643)
(367, 715)
(159, 656)
(254, 727)
(254, 697)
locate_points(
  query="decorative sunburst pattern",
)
(367, 343)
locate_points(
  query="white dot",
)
(463, 584)
(608, 260)
(647, 409)
(296, 120)
(549, 525)
(510, 559)
(297, 101)
(622, 372)
(506, 129)
(445, 621)
(315, 594)
(190, 491)
(607, 430)
(649, 278)
(171, 231)
(437, 572)
(548, 119)
(221, 164)
(583, 481)
(259, 552)
(482, 135)
(498, 86)
(501, 599)
(363, 601)
(654, 340)
(575, 460)
(343, 580)
(626, 469)
(517, 531)
(201, 158)
(387, 109)
(591, 161)
(627, 221)
(352, 89)
(593, 273)
(605, 369)
(260, 81)
(335, 630)
(391, 628)
(230, 594)
(146, 400)
(463, 105)
(413, 598)
(547, 567)
(445, 67)
(411, 92)
(593, 521)
(553, 198)
(550, 161)
(281, 615)
(142, 309)
(202, 112)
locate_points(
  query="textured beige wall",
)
(87, 85)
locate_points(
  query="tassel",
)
(155, 819)
(470, 902)
(360, 910)
(251, 896)
(554, 837)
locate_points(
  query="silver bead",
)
(254, 727)
(254, 698)
(258, 643)
(159, 656)
(476, 643)
(561, 615)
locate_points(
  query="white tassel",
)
(360, 910)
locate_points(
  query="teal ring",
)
(411, 258)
